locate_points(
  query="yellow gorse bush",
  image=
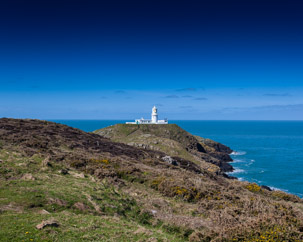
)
(104, 161)
(253, 187)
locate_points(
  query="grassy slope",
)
(126, 193)
(22, 200)
(170, 139)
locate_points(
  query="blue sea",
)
(266, 152)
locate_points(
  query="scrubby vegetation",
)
(174, 141)
(99, 190)
(85, 209)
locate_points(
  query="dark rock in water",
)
(215, 145)
(229, 177)
(266, 188)
(221, 156)
(226, 167)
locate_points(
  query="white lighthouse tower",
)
(154, 115)
(154, 119)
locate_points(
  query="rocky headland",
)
(174, 141)
(131, 183)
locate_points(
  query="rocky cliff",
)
(59, 183)
(174, 141)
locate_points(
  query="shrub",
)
(253, 187)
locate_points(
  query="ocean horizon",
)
(265, 152)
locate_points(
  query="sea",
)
(265, 152)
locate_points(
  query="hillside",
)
(86, 187)
(174, 141)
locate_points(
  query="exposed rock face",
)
(172, 140)
(170, 160)
(214, 145)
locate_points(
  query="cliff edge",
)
(174, 141)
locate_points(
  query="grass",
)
(170, 139)
(98, 190)
(111, 214)
(119, 217)
(77, 227)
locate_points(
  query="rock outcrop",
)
(173, 140)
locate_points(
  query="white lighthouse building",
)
(154, 119)
(154, 116)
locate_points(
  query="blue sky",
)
(115, 60)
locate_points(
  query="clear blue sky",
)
(215, 59)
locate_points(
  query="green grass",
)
(184, 205)
(119, 218)
(77, 227)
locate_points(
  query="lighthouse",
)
(154, 119)
(154, 115)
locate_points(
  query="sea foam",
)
(277, 189)
(238, 153)
(238, 161)
(236, 171)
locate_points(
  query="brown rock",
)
(51, 222)
(28, 177)
(43, 211)
(46, 162)
(81, 206)
(58, 201)
(77, 175)
(64, 172)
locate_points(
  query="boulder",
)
(266, 188)
(64, 172)
(81, 206)
(43, 211)
(50, 222)
(28, 177)
(170, 160)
